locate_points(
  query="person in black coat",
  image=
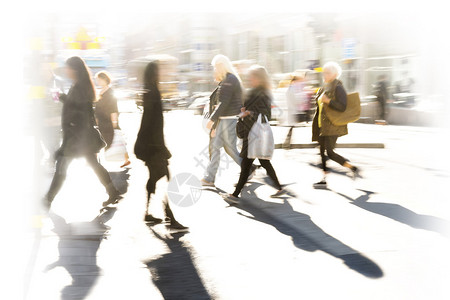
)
(382, 95)
(80, 137)
(258, 102)
(150, 146)
(107, 112)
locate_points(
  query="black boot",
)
(320, 185)
(177, 226)
(152, 219)
(356, 172)
(174, 224)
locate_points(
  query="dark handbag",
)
(240, 128)
(244, 125)
(97, 142)
(81, 142)
(95, 137)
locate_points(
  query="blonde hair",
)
(223, 66)
(261, 73)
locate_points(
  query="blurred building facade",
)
(365, 45)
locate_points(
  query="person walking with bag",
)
(332, 96)
(107, 112)
(223, 119)
(257, 143)
(150, 146)
(80, 136)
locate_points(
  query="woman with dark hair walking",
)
(80, 137)
(107, 112)
(258, 102)
(150, 146)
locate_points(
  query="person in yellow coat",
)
(323, 131)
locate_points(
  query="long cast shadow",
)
(267, 180)
(120, 180)
(78, 245)
(331, 170)
(400, 214)
(308, 236)
(174, 273)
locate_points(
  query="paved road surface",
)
(381, 237)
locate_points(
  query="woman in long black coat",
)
(80, 137)
(106, 110)
(150, 146)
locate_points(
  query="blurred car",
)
(184, 100)
(404, 99)
(199, 103)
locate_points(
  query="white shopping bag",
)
(260, 140)
(118, 148)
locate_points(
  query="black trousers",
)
(246, 166)
(327, 143)
(62, 164)
(158, 171)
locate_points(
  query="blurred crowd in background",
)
(386, 58)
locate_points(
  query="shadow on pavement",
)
(120, 180)
(308, 236)
(174, 273)
(106, 215)
(289, 193)
(400, 214)
(331, 170)
(78, 245)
